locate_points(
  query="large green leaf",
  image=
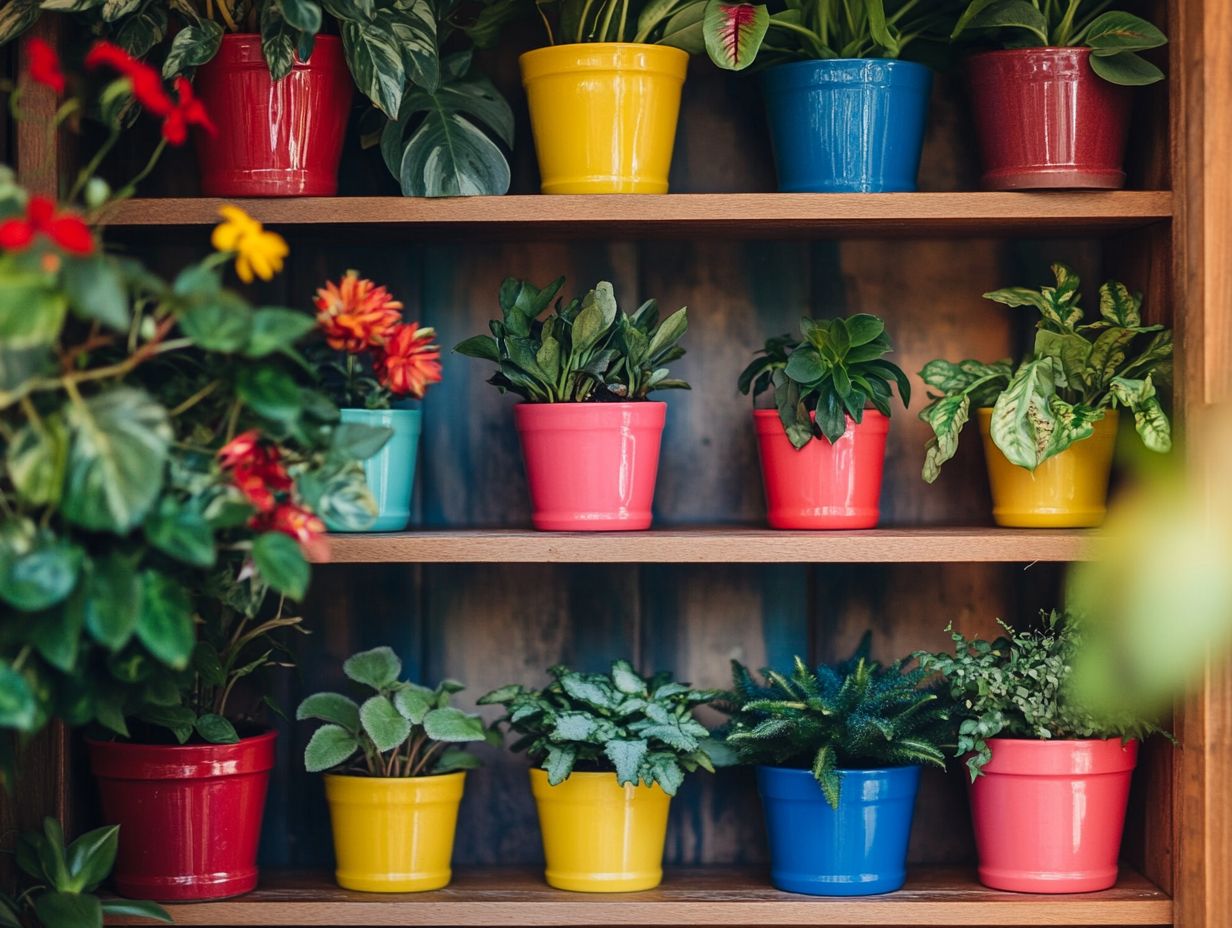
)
(180, 531)
(222, 323)
(281, 563)
(138, 908)
(1128, 69)
(1118, 305)
(946, 417)
(454, 725)
(1117, 31)
(68, 910)
(383, 723)
(41, 576)
(413, 25)
(1012, 14)
(301, 15)
(1022, 420)
(378, 668)
(91, 857)
(113, 600)
(96, 291)
(686, 29)
(271, 392)
(278, 41)
(734, 32)
(1150, 421)
(18, 707)
(626, 756)
(276, 329)
(329, 746)
(194, 45)
(165, 624)
(37, 459)
(31, 311)
(56, 632)
(117, 453)
(330, 707)
(1071, 351)
(449, 156)
(376, 63)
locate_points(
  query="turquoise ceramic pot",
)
(391, 471)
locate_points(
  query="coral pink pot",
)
(591, 467)
(275, 138)
(1045, 119)
(189, 816)
(1048, 815)
(822, 486)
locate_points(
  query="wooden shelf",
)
(710, 545)
(746, 215)
(709, 896)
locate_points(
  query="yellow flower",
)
(257, 252)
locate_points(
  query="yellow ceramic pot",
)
(1069, 490)
(393, 835)
(599, 836)
(603, 115)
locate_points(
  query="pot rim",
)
(1082, 51)
(620, 405)
(268, 734)
(867, 771)
(876, 413)
(890, 63)
(231, 37)
(1051, 743)
(673, 62)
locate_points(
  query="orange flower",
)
(355, 314)
(409, 362)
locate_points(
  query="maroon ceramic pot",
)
(1046, 120)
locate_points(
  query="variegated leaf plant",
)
(1074, 374)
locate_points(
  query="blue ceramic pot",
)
(391, 471)
(848, 125)
(858, 849)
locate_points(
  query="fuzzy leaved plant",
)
(835, 372)
(640, 728)
(401, 730)
(853, 715)
(1019, 686)
(588, 350)
(1076, 371)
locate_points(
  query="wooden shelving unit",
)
(710, 896)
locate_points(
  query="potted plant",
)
(394, 777)
(604, 94)
(611, 750)
(279, 77)
(1052, 102)
(372, 364)
(821, 448)
(1049, 426)
(838, 751)
(846, 113)
(584, 372)
(167, 464)
(1049, 778)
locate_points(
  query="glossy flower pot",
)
(190, 815)
(848, 125)
(1044, 119)
(603, 115)
(1069, 490)
(275, 138)
(591, 467)
(858, 849)
(599, 836)
(390, 472)
(393, 835)
(822, 486)
(1048, 815)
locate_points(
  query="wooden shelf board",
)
(710, 545)
(702, 896)
(740, 215)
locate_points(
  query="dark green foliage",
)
(641, 728)
(853, 715)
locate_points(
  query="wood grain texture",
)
(42, 156)
(710, 896)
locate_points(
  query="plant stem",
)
(1062, 35)
(624, 16)
(194, 399)
(84, 175)
(607, 19)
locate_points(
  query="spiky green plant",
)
(856, 714)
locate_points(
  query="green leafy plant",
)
(640, 728)
(402, 730)
(436, 117)
(1019, 686)
(1075, 373)
(586, 351)
(738, 34)
(662, 22)
(835, 372)
(1114, 37)
(855, 714)
(65, 879)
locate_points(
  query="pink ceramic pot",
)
(591, 467)
(822, 486)
(1048, 815)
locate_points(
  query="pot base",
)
(603, 882)
(394, 882)
(1045, 518)
(275, 182)
(1085, 881)
(197, 888)
(808, 885)
(1053, 179)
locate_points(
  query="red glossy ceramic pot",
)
(1046, 120)
(591, 467)
(275, 138)
(189, 816)
(822, 485)
(1048, 815)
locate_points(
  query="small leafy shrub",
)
(1075, 373)
(656, 22)
(1019, 687)
(402, 730)
(640, 728)
(586, 351)
(855, 714)
(836, 371)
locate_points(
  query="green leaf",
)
(180, 531)
(16, 17)
(805, 366)
(454, 725)
(1122, 32)
(216, 730)
(1022, 421)
(734, 33)
(18, 707)
(1108, 354)
(946, 417)
(1012, 14)
(42, 576)
(302, 15)
(449, 156)
(281, 563)
(378, 668)
(826, 774)
(628, 680)
(863, 328)
(376, 64)
(668, 332)
(136, 908)
(179, 720)
(68, 910)
(573, 726)
(329, 746)
(1019, 296)
(278, 41)
(193, 45)
(483, 347)
(666, 773)
(453, 759)
(274, 329)
(1071, 350)
(383, 723)
(57, 632)
(270, 392)
(686, 28)
(223, 323)
(112, 600)
(95, 290)
(1119, 306)
(626, 757)
(1150, 420)
(1075, 422)
(33, 311)
(559, 763)
(413, 703)
(164, 624)
(412, 24)
(1127, 69)
(358, 441)
(37, 460)
(330, 707)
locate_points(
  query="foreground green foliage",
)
(852, 715)
(640, 728)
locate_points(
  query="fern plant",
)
(856, 714)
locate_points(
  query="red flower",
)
(146, 83)
(300, 523)
(45, 65)
(354, 314)
(188, 111)
(256, 469)
(410, 362)
(239, 449)
(65, 229)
